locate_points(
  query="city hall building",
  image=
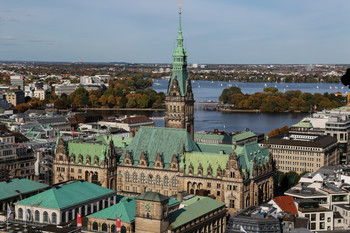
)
(168, 160)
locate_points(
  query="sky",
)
(215, 32)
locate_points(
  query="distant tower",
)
(179, 100)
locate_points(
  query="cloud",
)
(7, 37)
(42, 41)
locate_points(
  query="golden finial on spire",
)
(180, 7)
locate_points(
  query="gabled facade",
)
(93, 161)
(168, 161)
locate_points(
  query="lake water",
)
(257, 122)
(229, 121)
(211, 90)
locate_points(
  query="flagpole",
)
(25, 225)
(8, 216)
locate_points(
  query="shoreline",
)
(253, 111)
(122, 109)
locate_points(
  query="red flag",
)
(79, 220)
(75, 132)
(119, 225)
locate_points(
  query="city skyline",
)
(226, 32)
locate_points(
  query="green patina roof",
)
(166, 141)
(243, 136)
(31, 134)
(245, 156)
(173, 201)
(125, 210)
(192, 200)
(66, 195)
(118, 141)
(206, 159)
(97, 147)
(247, 153)
(303, 124)
(152, 196)
(215, 148)
(8, 189)
(85, 149)
(193, 211)
(232, 138)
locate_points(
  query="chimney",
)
(179, 197)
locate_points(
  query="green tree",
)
(144, 101)
(224, 97)
(271, 89)
(123, 101)
(111, 101)
(131, 103)
(103, 100)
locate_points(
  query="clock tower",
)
(152, 210)
(179, 101)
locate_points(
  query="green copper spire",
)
(179, 62)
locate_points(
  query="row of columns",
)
(110, 201)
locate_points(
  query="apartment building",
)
(14, 96)
(15, 161)
(335, 123)
(303, 152)
(321, 218)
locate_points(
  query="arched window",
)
(232, 174)
(94, 178)
(37, 216)
(166, 181)
(158, 180)
(178, 108)
(54, 218)
(113, 228)
(171, 108)
(143, 178)
(150, 179)
(174, 181)
(123, 230)
(20, 213)
(127, 176)
(45, 217)
(104, 227)
(134, 177)
(95, 226)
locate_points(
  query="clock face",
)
(148, 207)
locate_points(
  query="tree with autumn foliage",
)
(278, 131)
(271, 100)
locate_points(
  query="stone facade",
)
(237, 189)
(97, 168)
(180, 109)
